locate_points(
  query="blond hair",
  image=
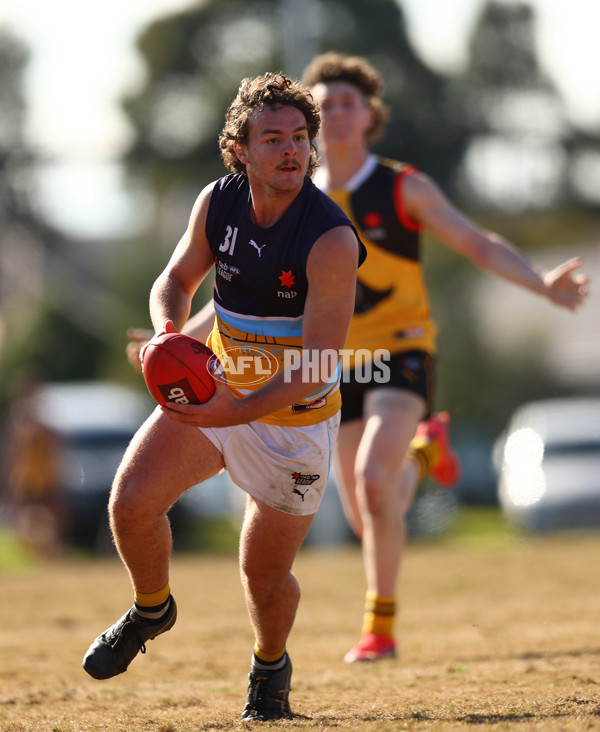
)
(353, 70)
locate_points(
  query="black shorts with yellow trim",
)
(412, 371)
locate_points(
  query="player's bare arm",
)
(426, 204)
(331, 270)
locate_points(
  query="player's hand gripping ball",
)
(177, 369)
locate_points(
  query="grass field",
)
(497, 632)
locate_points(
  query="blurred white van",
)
(549, 464)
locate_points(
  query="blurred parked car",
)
(474, 442)
(549, 460)
(94, 422)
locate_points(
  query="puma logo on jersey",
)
(300, 493)
(258, 247)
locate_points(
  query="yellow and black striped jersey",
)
(392, 308)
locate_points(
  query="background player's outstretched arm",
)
(426, 204)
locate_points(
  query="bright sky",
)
(83, 59)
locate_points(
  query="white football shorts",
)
(285, 467)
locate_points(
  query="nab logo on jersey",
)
(287, 280)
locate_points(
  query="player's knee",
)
(253, 569)
(127, 505)
(258, 583)
(374, 488)
(262, 579)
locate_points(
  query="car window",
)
(573, 448)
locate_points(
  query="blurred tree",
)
(54, 348)
(583, 170)
(517, 161)
(14, 156)
(195, 60)
(49, 304)
(520, 153)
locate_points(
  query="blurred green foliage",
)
(194, 61)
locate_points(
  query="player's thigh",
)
(391, 418)
(270, 539)
(346, 448)
(163, 460)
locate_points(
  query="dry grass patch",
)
(501, 636)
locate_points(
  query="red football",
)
(176, 369)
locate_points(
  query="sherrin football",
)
(176, 369)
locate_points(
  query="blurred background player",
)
(33, 491)
(391, 204)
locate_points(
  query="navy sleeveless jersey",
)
(261, 286)
(262, 272)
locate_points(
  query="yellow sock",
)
(425, 452)
(379, 614)
(268, 657)
(152, 600)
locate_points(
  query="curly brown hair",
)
(271, 90)
(358, 72)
